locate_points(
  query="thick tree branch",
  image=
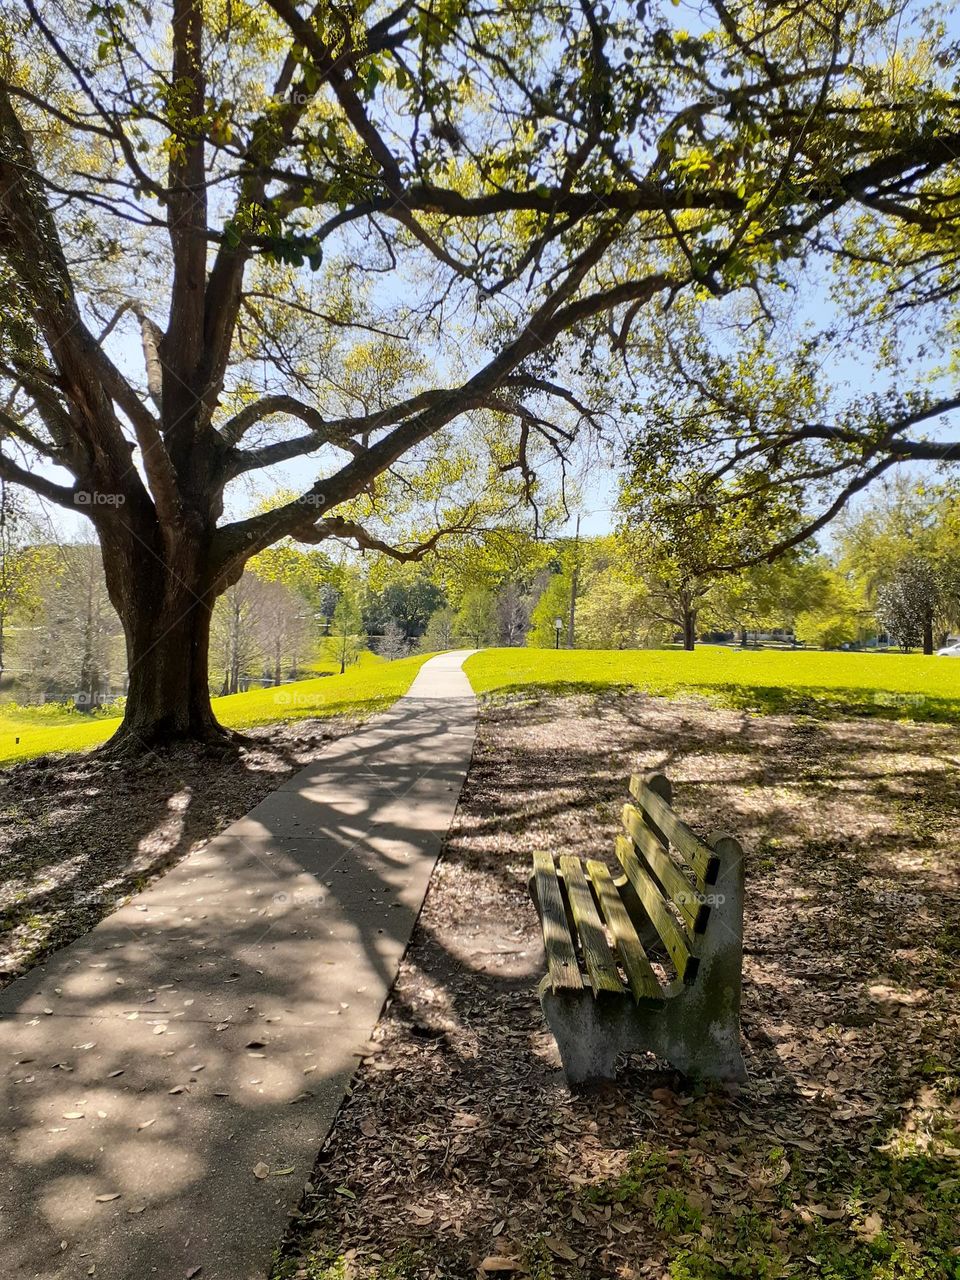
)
(38, 484)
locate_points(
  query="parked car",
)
(951, 651)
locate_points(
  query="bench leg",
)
(700, 1034)
(587, 1034)
(696, 1046)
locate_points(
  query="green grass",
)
(909, 1200)
(886, 685)
(368, 687)
(326, 664)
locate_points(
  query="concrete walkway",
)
(168, 1079)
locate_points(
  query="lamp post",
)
(558, 627)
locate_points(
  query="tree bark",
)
(689, 629)
(168, 698)
(928, 635)
(160, 589)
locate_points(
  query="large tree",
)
(256, 186)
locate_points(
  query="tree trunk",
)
(689, 629)
(168, 696)
(928, 635)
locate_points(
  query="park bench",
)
(677, 904)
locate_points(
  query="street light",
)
(558, 627)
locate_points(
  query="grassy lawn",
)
(368, 687)
(889, 685)
(327, 664)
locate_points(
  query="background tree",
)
(514, 606)
(611, 609)
(612, 612)
(249, 190)
(282, 625)
(476, 620)
(680, 536)
(837, 616)
(553, 603)
(770, 596)
(904, 550)
(441, 631)
(23, 567)
(346, 629)
(909, 605)
(393, 642)
(72, 648)
(236, 652)
(404, 595)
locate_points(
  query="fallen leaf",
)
(560, 1248)
(73, 1115)
(108, 1195)
(872, 1226)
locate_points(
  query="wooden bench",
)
(677, 904)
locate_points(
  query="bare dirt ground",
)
(461, 1152)
(79, 834)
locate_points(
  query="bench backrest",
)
(669, 869)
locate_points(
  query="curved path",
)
(167, 1079)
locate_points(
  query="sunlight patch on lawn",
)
(368, 687)
(886, 685)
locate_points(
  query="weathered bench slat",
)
(596, 950)
(678, 887)
(694, 850)
(640, 974)
(655, 905)
(561, 957)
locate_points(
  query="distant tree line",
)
(891, 576)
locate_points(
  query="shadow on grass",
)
(824, 702)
